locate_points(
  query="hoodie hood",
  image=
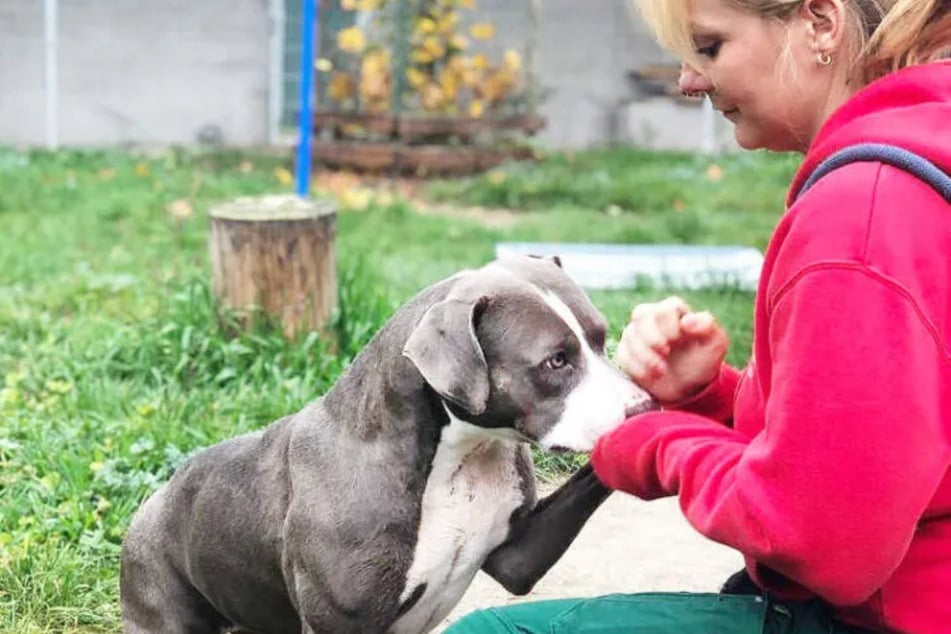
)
(910, 108)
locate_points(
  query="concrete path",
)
(627, 546)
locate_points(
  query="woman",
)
(826, 461)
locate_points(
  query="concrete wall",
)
(179, 71)
(138, 71)
(585, 53)
(21, 71)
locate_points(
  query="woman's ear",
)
(826, 22)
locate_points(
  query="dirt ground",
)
(627, 546)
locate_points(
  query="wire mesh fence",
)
(425, 85)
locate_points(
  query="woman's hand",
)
(670, 351)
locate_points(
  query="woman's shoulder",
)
(869, 217)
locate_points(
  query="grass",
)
(114, 366)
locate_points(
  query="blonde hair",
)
(892, 34)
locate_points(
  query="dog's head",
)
(517, 344)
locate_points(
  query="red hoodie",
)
(832, 473)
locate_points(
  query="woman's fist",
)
(671, 351)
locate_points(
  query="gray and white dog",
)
(371, 510)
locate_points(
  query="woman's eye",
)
(710, 50)
(557, 360)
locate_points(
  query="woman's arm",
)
(854, 446)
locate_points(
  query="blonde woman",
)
(825, 462)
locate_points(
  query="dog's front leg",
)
(538, 539)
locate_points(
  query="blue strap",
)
(895, 156)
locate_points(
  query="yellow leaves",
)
(283, 176)
(422, 57)
(440, 75)
(142, 170)
(145, 410)
(513, 60)
(449, 82)
(342, 87)
(482, 31)
(496, 177)
(356, 198)
(480, 62)
(429, 50)
(415, 77)
(351, 40)
(180, 209)
(59, 386)
(495, 85)
(431, 96)
(448, 23)
(12, 395)
(434, 46)
(361, 5)
(375, 79)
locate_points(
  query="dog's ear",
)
(445, 350)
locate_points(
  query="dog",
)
(370, 510)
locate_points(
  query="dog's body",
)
(371, 509)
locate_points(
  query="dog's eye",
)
(557, 361)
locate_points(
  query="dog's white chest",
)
(471, 493)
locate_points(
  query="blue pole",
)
(306, 119)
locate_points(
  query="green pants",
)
(653, 613)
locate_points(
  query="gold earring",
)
(824, 59)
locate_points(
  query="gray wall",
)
(165, 71)
(21, 71)
(138, 71)
(585, 49)
(585, 52)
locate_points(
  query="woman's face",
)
(764, 74)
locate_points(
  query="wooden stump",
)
(276, 254)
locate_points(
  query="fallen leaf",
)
(714, 173)
(180, 209)
(482, 31)
(283, 175)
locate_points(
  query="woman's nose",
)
(693, 82)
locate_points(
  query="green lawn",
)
(113, 366)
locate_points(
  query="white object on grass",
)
(622, 266)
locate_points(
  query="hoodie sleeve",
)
(714, 401)
(853, 449)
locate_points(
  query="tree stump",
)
(275, 254)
